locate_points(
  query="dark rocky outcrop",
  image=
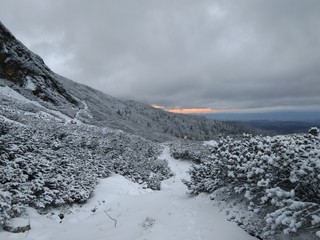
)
(19, 65)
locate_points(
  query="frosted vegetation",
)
(57, 139)
(48, 160)
(278, 179)
(50, 164)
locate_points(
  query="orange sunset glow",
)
(192, 110)
(188, 110)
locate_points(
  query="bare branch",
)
(115, 221)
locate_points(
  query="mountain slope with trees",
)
(26, 73)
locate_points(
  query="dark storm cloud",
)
(180, 53)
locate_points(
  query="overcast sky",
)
(246, 54)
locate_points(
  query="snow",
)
(18, 222)
(29, 84)
(44, 115)
(120, 209)
(84, 111)
(210, 143)
(5, 48)
(9, 92)
(4, 119)
(64, 117)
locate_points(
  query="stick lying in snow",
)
(115, 221)
(29, 229)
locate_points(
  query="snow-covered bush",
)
(3, 128)
(314, 131)
(277, 176)
(48, 163)
(6, 210)
(190, 150)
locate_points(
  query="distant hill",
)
(278, 122)
(283, 127)
(297, 116)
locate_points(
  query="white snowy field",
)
(139, 214)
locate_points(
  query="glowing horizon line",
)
(190, 110)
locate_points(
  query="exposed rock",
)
(19, 65)
(17, 225)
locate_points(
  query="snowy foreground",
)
(122, 210)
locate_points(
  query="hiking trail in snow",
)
(122, 210)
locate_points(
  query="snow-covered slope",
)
(120, 209)
(27, 74)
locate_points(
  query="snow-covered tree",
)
(278, 177)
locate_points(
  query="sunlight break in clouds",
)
(236, 54)
(188, 110)
(192, 110)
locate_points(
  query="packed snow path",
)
(122, 210)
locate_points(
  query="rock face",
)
(17, 225)
(24, 68)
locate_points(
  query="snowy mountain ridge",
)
(27, 74)
(28, 71)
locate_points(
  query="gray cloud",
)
(180, 53)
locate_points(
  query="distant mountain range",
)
(301, 116)
(279, 122)
(29, 88)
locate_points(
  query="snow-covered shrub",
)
(314, 131)
(279, 176)
(3, 128)
(6, 211)
(45, 163)
(190, 150)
